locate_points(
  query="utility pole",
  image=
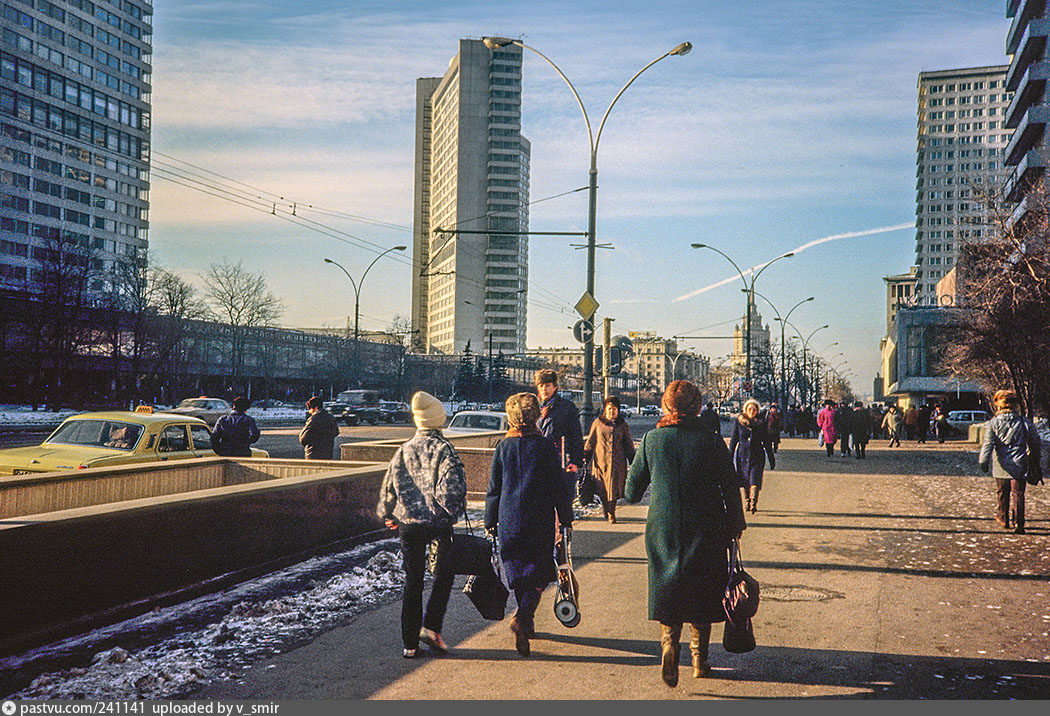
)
(606, 345)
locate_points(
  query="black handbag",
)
(470, 553)
(740, 604)
(1034, 473)
(486, 590)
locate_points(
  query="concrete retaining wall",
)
(68, 568)
(474, 450)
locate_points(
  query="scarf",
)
(523, 431)
(545, 408)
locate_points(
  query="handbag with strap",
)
(740, 604)
(470, 553)
(486, 590)
(1034, 474)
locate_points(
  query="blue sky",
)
(790, 121)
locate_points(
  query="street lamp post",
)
(783, 360)
(587, 409)
(805, 343)
(357, 303)
(750, 290)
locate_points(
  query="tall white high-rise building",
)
(74, 144)
(962, 139)
(471, 183)
(1028, 153)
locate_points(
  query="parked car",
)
(207, 409)
(961, 420)
(476, 421)
(116, 437)
(362, 406)
(649, 410)
(395, 412)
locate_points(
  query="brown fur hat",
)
(523, 409)
(681, 398)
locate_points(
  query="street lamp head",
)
(811, 298)
(789, 254)
(494, 43)
(699, 246)
(400, 248)
(329, 261)
(682, 49)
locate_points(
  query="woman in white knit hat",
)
(423, 495)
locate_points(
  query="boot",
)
(670, 645)
(698, 646)
(521, 635)
(752, 502)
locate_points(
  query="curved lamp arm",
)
(726, 257)
(352, 282)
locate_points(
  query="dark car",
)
(395, 412)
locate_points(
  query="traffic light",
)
(615, 360)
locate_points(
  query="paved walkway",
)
(883, 578)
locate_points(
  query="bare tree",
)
(401, 330)
(173, 303)
(240, 299)
(1002, 336)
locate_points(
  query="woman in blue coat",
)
(749, 446)
(526, 488)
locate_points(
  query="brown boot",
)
(698, 646)
(521, 635)
(670, 646)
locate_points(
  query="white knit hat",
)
(751, 401)
(427, 411)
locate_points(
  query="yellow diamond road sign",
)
(587, 305)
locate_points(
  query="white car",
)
(963, 419)
(476, 421)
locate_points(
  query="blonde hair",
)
(1004, 400)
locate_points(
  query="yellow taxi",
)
(114, 438)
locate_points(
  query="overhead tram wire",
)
(272, 208)
(331, 232)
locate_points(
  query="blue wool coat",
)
(526, 486)
(563, 420)
(750, 445)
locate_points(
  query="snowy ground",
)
(170, 652)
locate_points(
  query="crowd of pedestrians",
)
(699, 489)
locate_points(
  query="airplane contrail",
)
(800, 249)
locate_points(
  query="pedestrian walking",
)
(609, 449)
(911, 419)
(922, 423)
(826, 425)
(235, 432)
(791, 420)
(877, 430)
(860, 429)
(318, 435)
(1011, 448)
(894, 424)
(749, 446)
(424, 493)
(709, 420)
(773, 425)
(527, 487)
(559, 421)
(807, 422)
(694, 513)
(940, 422)
(843, 427)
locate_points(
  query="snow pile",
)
(25, 415)
(251, 630)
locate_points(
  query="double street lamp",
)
(493, 43)
(783, 359)
(749, 289)
(357, 301)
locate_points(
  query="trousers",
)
(1003, 490)
(414, 541)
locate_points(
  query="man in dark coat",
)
(922, 423)
(709, 420)
(694, 513)
(527, 488)
(860, 428)
(559, 422)
(319, 434)
(843, 423)
(235, 432)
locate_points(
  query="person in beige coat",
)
(610, 450)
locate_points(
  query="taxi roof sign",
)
(144, 409)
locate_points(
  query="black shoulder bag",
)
(471, 553)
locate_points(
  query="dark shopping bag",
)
(471, 554)
(486, 591)
(738, 638)
(741, 598)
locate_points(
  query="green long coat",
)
(694, 509)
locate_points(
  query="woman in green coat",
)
(694, 512)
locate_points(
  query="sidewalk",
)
(875, 584)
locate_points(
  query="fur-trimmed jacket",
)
(425, 483)
(749, 446)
